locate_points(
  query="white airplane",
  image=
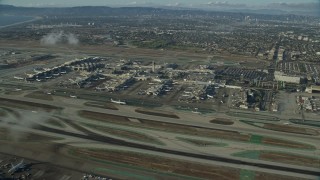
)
(209, 96)
(19, 78)
(118, 102)
(196, 112)
(73, 96)
(15, 168)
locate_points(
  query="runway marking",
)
(38, 174)
(65, 177)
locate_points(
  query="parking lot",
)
(300, 68)
(246, 74)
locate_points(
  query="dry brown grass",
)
(157, 113)
(162, 164)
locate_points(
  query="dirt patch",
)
(306, 122)
(27, 105)
(201, 143)
(13, 93)
(39, 95)
(161, 163)
(291, 129)
(104, 117)
(171, 165)
(222, 121)
(11, 111)
(101, 105)
(283, 128)
(267, 176)
(24, 137)
(134, 120)
(2, 113)
(253, 116)
(3, 133)
(38, 138)
(290, 159)
(285, 143)
(183, 129)
(56, 123)
(124, 134)
(157, 113)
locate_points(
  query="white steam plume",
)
(55, 38)
(72, 39)
(27, 119)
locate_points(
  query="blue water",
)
(7, 20)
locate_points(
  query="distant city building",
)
(279, 76)
(313, 89)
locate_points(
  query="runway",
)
(96, 137)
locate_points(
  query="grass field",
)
(123, 133)
(253, 116)
(281, 157)
(39, 95)
(202, 143)
(27, 105)
(157, 113)
(283, 128)
(222, 121)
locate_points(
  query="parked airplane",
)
(118, 102)
(15, 168)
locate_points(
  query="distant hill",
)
(128, 11)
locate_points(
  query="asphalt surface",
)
(88, 135)
(96, 137)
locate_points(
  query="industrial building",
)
(281, 77)
(313, 89)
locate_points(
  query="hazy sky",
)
(141, 2)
